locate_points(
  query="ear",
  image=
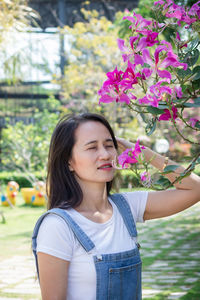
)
(70, 166)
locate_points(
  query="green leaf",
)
(182, 175)
(195, 104)
(193, 44)
(183, 73)
(151, 126)
(162, 105)
(196, 72)
(163, 181)
(191, 57)
(146, 65)
(196, 85)
(155, 110)
(197, 125)
(170, 169)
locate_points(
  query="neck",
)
(94, 197)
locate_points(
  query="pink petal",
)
(124, 98)
(121, 45)
(129, 18)
(142, 44)
(178, 91)
(147, 72)
(164, 74)
(178, 36)
(146, 57)
(161, 2)
(106, 99)
(138, 60)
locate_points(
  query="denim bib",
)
(118, 274)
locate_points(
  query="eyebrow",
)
(95, 141)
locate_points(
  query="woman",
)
(87, 246)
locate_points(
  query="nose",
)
(104, 154)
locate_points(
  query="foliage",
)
(21, 178)
(14, 16)
(160, 80)
(25, 147)
(93, 51)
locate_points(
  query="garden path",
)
(171, 262)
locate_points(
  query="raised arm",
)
(165, 203)
(53, 274)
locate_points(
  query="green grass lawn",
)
(15, 234)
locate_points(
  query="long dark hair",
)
(62, 188)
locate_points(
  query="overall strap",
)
(126, 213)
(84, 240)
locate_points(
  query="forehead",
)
(91, 130)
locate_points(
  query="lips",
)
(105, 166)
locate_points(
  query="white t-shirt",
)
(56, 238)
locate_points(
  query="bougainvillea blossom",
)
(193, 121)
(145, 176)
(140, 24)
(195, 10)
(167, 114)
(178, 12)
(114, 78)
(110, 94)
(130, 156)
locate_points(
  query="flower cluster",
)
(182, 14)
(149, 76)
(130, 156)
(145, 178)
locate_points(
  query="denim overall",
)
(118, 274)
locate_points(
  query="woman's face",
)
(93, 153)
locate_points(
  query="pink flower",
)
(110, 94)
(159, 90)
(177, 92)
(145, 176)
(155, 65)
(195, 10)
(161, 2)
(146, 73)
(114, 78)
(150, 39)
(149, 99)
(178, 36)
(167, 114)
(126, 52)
(127, 157)
(139, 24)
(130, 156)
(193, 121)
(178, 12)
(130, 77)
(158, 64)
(147, 41)
(182, 44)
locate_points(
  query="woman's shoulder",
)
(56, 225)
(55, 237)
(140, 195)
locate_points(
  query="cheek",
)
(114, 152)
(81, 162)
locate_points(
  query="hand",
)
(124, 144)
